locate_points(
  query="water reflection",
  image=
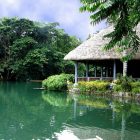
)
(28, 114)
(102, 116)
(58, 99)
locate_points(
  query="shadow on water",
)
(28, 114)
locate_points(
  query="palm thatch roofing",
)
(92, 49)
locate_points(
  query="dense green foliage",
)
(57, 82)
(131, 87)
(93, 86)
(126, 84)
(135, 87)
(32, 50)
(124, 15)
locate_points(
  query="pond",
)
(27, 113)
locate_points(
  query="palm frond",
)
(124, 14)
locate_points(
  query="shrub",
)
(135, 87)
(57, 82)
(135, 84)
(93, 86)
(117, 88)
(125, 83)
(102, 85)
(136, 90)
(126, 86)
(82, 87)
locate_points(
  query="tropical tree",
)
(15, 41)
(124, 15)
(33, 50)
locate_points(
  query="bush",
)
(136, 90)
(117, 88)
(126, 86)
(125, 83)
(102, 85)
(135, 87)
(135, 84)
(93, 86)
(57, 82)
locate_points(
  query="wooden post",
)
(95, 71)
(76, 72)
(87, 71)
(101, 72)
(106, 71)
(114, 70)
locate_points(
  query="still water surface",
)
(30, 114)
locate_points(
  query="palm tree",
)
(124, 15)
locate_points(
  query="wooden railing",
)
(94, 78)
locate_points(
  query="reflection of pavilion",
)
(101, 122)
(88, 117)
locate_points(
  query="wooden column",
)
(114, 70)
(87, 71)
(76, 72)
(95, 72)
(101, 72)
(106, 71)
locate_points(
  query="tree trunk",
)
(125, 68)
(125, 64)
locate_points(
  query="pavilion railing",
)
(94, 78)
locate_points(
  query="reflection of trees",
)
(124, 110)
(56, 99)
(24, 114)
(92, 101)
(123, 113)
(27, 113)
(20, 111)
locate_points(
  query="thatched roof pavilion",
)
(92, 50)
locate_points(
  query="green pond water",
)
(32, 114)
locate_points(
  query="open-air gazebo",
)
(92, 53)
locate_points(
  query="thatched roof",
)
(92, 49)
